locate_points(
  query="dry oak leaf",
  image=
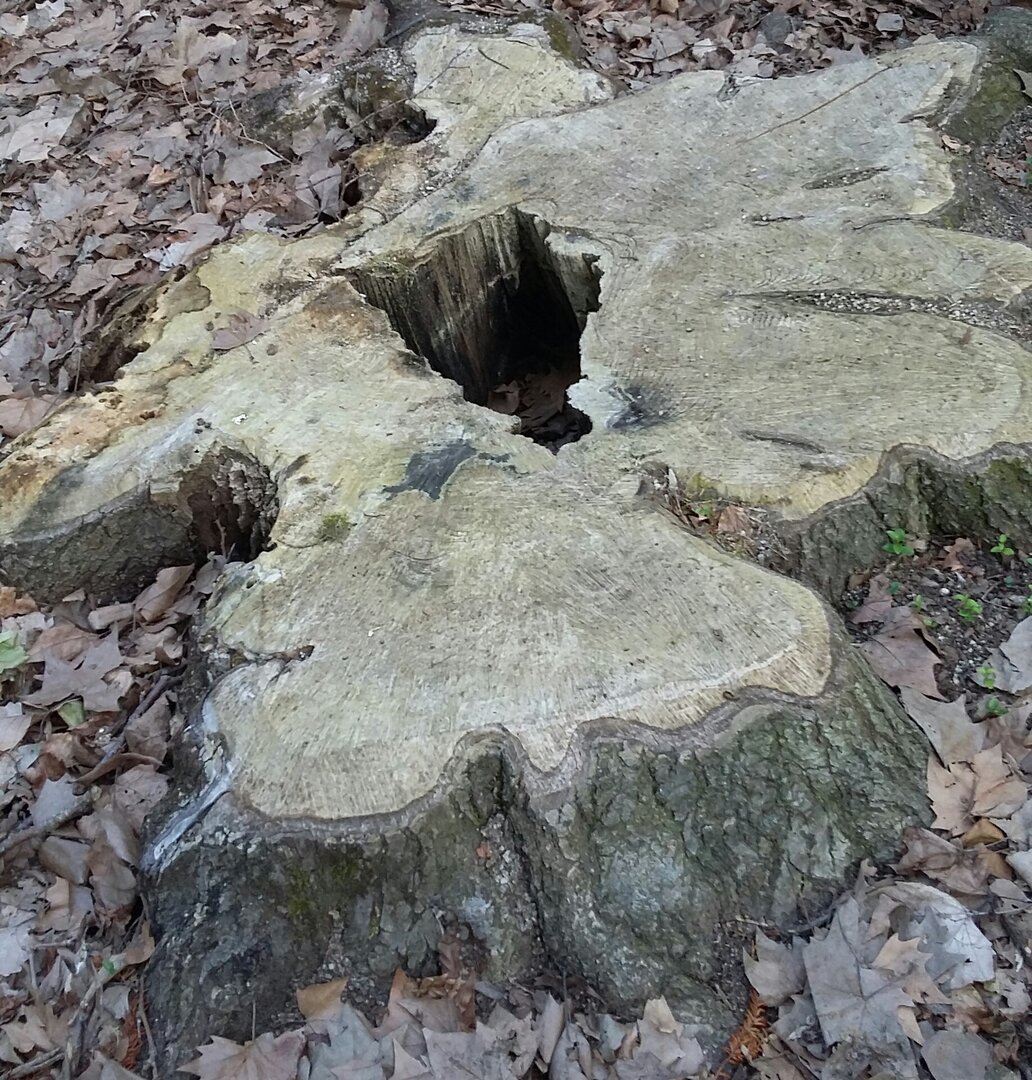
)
(266, 1058)
(955, 553)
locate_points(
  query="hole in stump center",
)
(500, 312)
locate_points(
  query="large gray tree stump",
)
(462, 678)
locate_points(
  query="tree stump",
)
(468, 672)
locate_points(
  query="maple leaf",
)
(853, 1000)
(998, 792)
(951, 791)
(266, 1058)
(777, 972)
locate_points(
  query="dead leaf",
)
(1026, 82)
(14, 722)
(946, 723)
(735, 521)
(83, 678)
(266, 1058)
(998, 792)
(157, 598)
(777, 972)
(321, 1001)
(878, 603)
(240, 328)
(854, 1001)
(957, 1055)
(21, 414)
(955, 553)
(899, 655)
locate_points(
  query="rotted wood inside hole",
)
(496, 309)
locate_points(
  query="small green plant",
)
(995, 707)
(894, 587)
(897, 543)
(12, 655)
(1026, 607)
(918, 603)
(986, 676)
(1001, 547)
(968, 608)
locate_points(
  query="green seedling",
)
(986, 676)
(995, 707)
(894, 587)
(968, 608)
(918, 603)
(897, 543)
(1001, 547)
(1027, 606)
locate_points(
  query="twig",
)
(37, 1064)
(152, 1053)
(112, 966)
(816, 108)
(116, 746)
(37, 832)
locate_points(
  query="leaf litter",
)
(73, 799)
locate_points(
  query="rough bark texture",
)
(638, 876)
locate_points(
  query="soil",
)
(963, 632)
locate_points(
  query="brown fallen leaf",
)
(1010, 172)
(901, 657)
(946, 723)
(240, 328)
(158, 597)
(83, 678)
(266, 1058)
(954, 554)
(998, 791)
(62, 641)
(735, 521)
(878, 603)
(321, 1001)
(13, 604)
(21, 414)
